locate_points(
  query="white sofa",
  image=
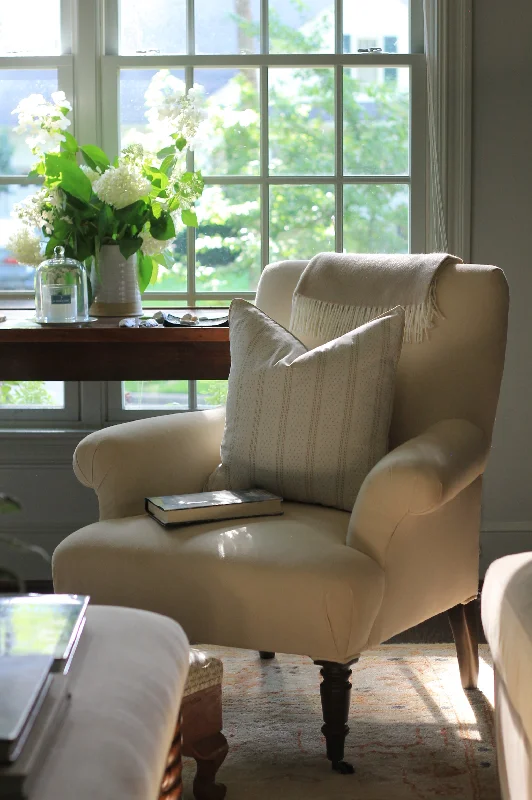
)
(507, 622)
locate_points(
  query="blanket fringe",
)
(327, 321)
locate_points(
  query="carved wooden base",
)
(464, 625)
(266, 654)
(335, 690)
(172, 784)
(204, 741)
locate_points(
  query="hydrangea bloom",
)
(173, 109)
(120, 186)
(151, 246)
(43, 121)
(25, 246)
(40, 209)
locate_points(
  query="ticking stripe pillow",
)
(306, 424)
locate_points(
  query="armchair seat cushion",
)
(287, 584)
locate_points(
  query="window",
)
(308, 146)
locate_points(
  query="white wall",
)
(501, 235)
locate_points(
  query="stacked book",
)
(39, 635)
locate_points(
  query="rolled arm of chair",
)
(171, 454)
(418, 477)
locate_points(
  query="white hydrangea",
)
(122, 185)
(40, 209)
(151, 246)
(91, 174)
(173, 109)
(25, 246)
(43, 121)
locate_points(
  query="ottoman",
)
(199, 730)
(127, 681)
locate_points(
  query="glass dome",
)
(61, 290)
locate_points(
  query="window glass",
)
(20, 395)
(227, 26)
(20, 37)
(230, 140)
(296, 27)
(376, 121)
(211, 393)
(147, 28)
(228, 239)
(161, 395)
(301, 221)
(377, 23)
(376, 218)
(301, 121)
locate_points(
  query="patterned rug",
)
(414, 732)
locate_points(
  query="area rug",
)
(414, 732)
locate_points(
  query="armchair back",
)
(457, 373)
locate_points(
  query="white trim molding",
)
(448, 48)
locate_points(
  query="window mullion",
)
(264, 168)
(86, 47)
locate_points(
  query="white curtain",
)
(447, 34)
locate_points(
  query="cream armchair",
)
(316, 581)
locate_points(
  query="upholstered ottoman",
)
(507, 622)
(201, 723)
(127, 681)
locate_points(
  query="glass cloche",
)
(61, 290)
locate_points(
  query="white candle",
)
(59, 303)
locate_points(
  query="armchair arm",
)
(171, 454)
(418, 477)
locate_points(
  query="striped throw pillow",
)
(306, 424)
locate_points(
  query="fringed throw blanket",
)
(338, 292)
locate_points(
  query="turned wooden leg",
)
(209, 755)
(266, 654)
(203, 740)
(464, 624)
(335, 690)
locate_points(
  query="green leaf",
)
(162, 228)
(166, 151)
(168, 164)
(106, 226)
(70, 144)
(147, 271)
(38, 170)
(129, 246)
(134, 214)
(8, 504)
(84, 249)
(180, 142)
(67, 175)
(156, 210)
(94, 157)
(51, 244)
(189, 218)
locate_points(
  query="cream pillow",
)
(306, 424)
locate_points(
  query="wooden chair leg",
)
(335, 690)
(266, 654)
(464, 625)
